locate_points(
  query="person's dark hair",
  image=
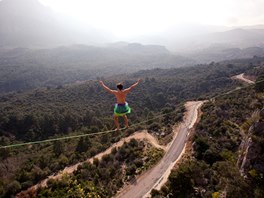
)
(119, 86)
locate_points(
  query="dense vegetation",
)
(23, 69)
(91, 179)
(87, 108)
(221, 52)
(227, 157)
(44, 112)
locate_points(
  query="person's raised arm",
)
(106, 88)
(132, 86)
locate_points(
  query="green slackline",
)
(111, 131)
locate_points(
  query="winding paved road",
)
(151, 179)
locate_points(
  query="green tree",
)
(84, 144)
(181, 183)
(259, 85)
(13, 188)
(58, 147)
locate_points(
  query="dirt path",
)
(142, 135)
(242, 78)
(190, 118)
(158, 175)
(246, 141)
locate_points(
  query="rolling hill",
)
(24, 68)
(75, 109)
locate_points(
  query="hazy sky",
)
(128, 18)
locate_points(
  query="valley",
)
(197, 114)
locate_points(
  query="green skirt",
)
(121, 109)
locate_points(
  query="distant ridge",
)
(28, 23)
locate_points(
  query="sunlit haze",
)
(128, 18)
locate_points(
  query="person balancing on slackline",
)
(121, 107)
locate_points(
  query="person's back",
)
(121, 107)
(120, 96)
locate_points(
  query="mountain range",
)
(28, 23)
(49, 91)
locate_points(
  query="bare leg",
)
(126, 120)
(116, 122)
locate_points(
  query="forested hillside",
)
(24, 69)
(29, 111)
(220, 52)
(87, 108)
(196, 124)
(227, 149)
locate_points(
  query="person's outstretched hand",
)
(101, 82)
